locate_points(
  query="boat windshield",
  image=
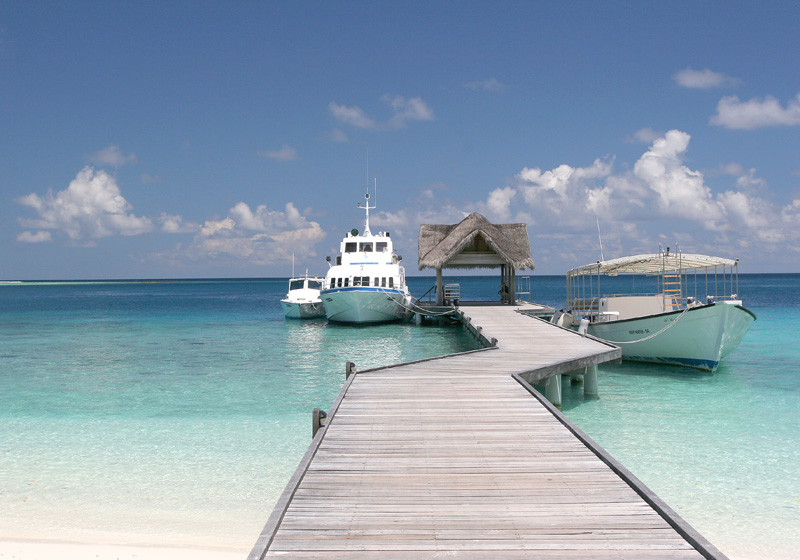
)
(315, 284)
(296, 285)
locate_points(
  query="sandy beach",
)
(20, 550)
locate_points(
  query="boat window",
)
(377, 282)
(315, 284)
(346, 282)
(391, 282)
(381, 246)
(350, 247)
(340, 283)
(296, 285)
(366, 247)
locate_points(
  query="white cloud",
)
(702, 79)
(352, 116)
(261, 236)
(175, 224)
(756, 113)
(37, 237)
(680, 191)
(404, 110)
(491, 84)
(499, 202)
(646, 135)
(564, 181)
(91, 207)
(286, 153)
(213, 227)
(112, 156)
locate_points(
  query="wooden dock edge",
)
(264, 539)
(698, 541)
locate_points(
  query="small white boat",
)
(678, 308)
(367, 283)
(302, 301)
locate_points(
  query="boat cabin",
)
(357, 251)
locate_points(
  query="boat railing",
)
(585, 306)
(523, 288)
(452, 292)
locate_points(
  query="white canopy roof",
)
(653, 263)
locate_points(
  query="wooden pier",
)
(460, 457)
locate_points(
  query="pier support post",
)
(552, 390)
(590, 380)
(318, 419)
(349, 369)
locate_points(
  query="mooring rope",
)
(652, 335)
(414, 307)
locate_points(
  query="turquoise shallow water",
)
(175, 412)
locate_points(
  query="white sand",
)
(19, 550)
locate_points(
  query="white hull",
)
(365, 305)
(700, 338)
(306, 310)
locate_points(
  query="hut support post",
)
(504, 289)
(512, 285)
(439, 287)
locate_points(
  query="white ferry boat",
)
(680, 309)
(366, 284)
(303, 301)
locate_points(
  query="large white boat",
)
(303, 301)
(366, 284)
(676, 308)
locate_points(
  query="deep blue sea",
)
(174, 412)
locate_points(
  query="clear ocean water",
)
(174, 413)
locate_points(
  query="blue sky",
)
(218, 139)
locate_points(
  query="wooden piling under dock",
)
(460, 457)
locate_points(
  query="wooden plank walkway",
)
(455, 457)
(532, 347)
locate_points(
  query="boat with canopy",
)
(665, 307)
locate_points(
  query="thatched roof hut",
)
(476, 243)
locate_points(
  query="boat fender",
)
(583, 327)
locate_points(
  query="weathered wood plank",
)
(453, 457)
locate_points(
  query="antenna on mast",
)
(602, 257)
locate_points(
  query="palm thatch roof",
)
(474, 243)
